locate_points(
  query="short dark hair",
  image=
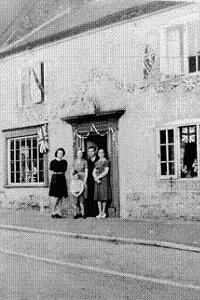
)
(59, 149)
(92, 147)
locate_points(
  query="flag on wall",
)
(149, 59)
(43, 139)
(39, 84)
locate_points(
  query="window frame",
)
(21, 102)
(176, 127)
(181, 21)
(159, 154)
(23, 133)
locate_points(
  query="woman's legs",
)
(55, 203)
(58, 206)
(103, 212)
(99, 207)
(82, 208)
(102, 209)
(76, 207)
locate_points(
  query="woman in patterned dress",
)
(81, 166)
(102, 193)
(58, 186)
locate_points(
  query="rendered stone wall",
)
(106, 66)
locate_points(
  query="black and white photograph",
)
(99, 150)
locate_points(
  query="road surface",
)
(39, 266)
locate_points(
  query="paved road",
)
(83, 269)
(23, 279)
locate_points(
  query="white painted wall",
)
(117, 51)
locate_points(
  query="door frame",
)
(103, 122)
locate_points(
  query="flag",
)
(149, 59)
(188, 134)
(39, 84)
(43, 139)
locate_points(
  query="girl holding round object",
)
(77, 189)
(81, 166)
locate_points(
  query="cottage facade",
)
(130, 85)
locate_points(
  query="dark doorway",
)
(98, 141)
(89, 130)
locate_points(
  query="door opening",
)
(98, 142)
(102, 132)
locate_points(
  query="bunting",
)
(43, 139)
(149, 59)
(93, 128)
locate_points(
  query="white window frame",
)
(20, 102)
(159, 154)
(181, 21)
(176, 127)
(22, 134)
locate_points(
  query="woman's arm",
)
(104, 173)
(51, 167)
(96, 178)
(94, 173)
(72, 170)
(86, 176)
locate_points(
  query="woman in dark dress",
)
(58, 185)
(102, 192)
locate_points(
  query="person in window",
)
(92, 159)
(189, 159)
(102, 192)
(81, 166)
(58, 186)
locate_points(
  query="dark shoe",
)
(76, 217)
(53, 216)
(82, 216)
(58, 216)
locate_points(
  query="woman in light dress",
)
(102, 192)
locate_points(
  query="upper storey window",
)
(194, 47)
(180, 48)
(175, 49)
(31, 90)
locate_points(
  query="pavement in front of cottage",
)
(36, 265)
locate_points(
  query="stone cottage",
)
(123, 76)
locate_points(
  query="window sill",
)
(180, 179)
(186, 179)
(29, 105)
(39, 185)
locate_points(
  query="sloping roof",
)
(31, 15)
(47, 21)
(9, 9)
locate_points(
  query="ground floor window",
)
(167, 152)
(26, 163)
(179, 151)
(188, 151)
(26, 157)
